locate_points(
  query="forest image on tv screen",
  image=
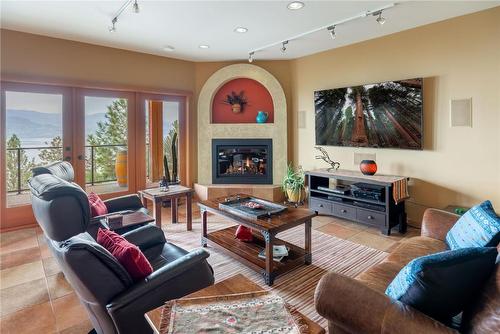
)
(387, 115)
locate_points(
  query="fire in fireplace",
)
(242, 161)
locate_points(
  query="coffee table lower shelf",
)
(248, 252)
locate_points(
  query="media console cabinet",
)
(384, 213)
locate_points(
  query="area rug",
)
(296, 287)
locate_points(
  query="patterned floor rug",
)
(296, 287)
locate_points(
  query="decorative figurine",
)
(326, 158)
(164, 184)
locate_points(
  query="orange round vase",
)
(368, 167)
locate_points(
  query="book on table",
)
(279, 253)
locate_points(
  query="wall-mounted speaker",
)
(301, 119)
(461, 112)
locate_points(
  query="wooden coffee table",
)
(173, 194)
(232, 285)
(264, 235)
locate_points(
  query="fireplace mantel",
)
(207, 131)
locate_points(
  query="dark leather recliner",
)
(115, 304)
(122, 204)
(64, 170)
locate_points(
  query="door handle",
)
(67, 159)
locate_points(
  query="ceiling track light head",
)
(135, 7)
(283, 46)
(380, 19)
(112, 28)
(331, 29)
(250, 56)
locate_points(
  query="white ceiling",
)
(187, 24)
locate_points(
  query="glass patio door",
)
(104, 144)
(36, 134)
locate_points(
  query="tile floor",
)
(35, 297)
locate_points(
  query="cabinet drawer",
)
(320, 206)
(369, 217)
(344, 211)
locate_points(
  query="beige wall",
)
(33, 57)
(460, 58)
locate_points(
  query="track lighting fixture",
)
(380, 18)
(135, 7)
(331, 29)
(283, 46)
(113, 25)
(377, 12)
(250, 57)
(126, 4)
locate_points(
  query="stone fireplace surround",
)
(277, 131)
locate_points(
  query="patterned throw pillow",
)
(478, 227)
(442, 284)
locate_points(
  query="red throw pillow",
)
(129, 255)
(97, 206)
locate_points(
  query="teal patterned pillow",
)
(442, 284)
(478, 227)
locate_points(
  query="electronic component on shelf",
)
(368, 191)
(336, 199)
(339, 189)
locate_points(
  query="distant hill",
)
(28, 124)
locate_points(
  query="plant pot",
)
(121, 168)
(294, 196)
(236, 108)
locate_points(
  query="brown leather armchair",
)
(360, 305)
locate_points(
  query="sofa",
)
(360, 305)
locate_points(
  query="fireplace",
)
(236, 161)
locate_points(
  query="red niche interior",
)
(257, 96)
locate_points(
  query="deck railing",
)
(90, 161)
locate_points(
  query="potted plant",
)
(293, 183)
(237, 101)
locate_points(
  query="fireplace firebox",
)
(247, 161)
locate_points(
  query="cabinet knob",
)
(370, 217)
(343, 210)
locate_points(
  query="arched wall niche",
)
(277, 131)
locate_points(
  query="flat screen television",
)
(382, 115)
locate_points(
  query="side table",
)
(173, 194)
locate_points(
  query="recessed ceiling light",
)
(241, 30)
(295, 5)
(204, 46)
(169, 48)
